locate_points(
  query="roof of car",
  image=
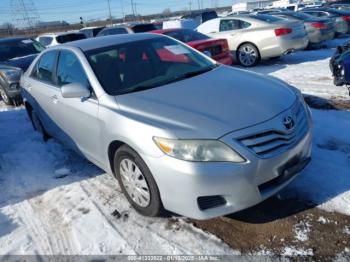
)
(162, 31)
(60, 33)
(104, 41)
(10, 39)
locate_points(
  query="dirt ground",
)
(272, 226)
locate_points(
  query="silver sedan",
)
(255, 37)
(178, 131)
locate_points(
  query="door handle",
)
(54, 99)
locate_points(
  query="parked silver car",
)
(318, 29)
(179, 131)
(255, 37)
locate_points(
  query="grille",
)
(207, 202)
(214, 50)
(273, 142)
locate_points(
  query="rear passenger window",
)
(44, 68)
(69, 70)
(233, 24)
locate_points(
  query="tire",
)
(248, 55)
(138, 185)
(7, 100)
(37, 125)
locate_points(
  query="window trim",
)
(35, 68)
(92, 91)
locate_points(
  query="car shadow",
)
(272, 209)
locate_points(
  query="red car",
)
(215, 48)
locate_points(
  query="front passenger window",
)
(43, 70)
(69, 70)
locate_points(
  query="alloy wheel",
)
(247, 55)
(134, 182)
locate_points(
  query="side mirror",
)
(75, 90)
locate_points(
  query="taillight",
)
(346, 18)
(225, 47)
(283, 31)
(318, 25)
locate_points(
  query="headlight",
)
(198, 150)
(11, 74)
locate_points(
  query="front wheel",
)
(137, 182)
(248, 55)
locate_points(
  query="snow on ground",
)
(293, 251)
(326, 181)
(307, 70)
(54, 202)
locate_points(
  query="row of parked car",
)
(246, 39)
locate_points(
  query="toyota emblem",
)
(288, 122)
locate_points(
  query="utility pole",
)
(109, 9)
(132, 7)
(24, 13)
(199, 4)
(122, 6)
(190, 5)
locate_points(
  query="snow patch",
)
(347, 230)
(322, 220)
(302, 230)
(293, 251)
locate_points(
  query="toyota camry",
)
(177, 130)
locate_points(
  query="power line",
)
(24, 13)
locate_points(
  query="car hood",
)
(209, 105)
(20, 62)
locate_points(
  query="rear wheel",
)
(38, 126)
(248, 55)
(136, 182)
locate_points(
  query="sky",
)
(72, 10)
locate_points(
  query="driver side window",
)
(69, 70)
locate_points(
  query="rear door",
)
(45, 94)
(231, 29)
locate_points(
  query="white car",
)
(255, 37)
(52, 39)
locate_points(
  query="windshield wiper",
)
(177, 78)
(195, 73)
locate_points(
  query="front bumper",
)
(184, 184)
(13, 90)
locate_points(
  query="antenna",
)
(24, 13)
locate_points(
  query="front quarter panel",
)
(118, 125)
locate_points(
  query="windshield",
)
(302, 16)
(186, 35)
(145, 64)
(142, 28)
(19, 48)
(69, 38)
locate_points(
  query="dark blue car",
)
(16, 54)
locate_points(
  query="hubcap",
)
(247, 55)
(4, 96)
(134, 182)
